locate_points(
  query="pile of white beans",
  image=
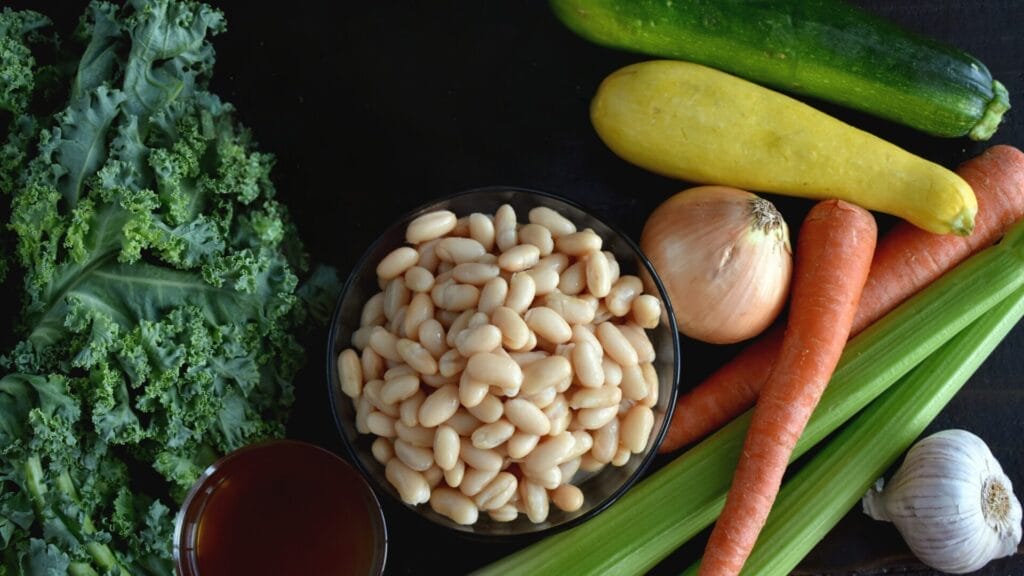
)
(498, 361)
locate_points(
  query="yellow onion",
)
(725, 259)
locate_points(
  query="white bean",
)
(519, 258)
(549, 478)
(521, 444)
(446, 447)
(380, 424)
(638, 339)
(496, 370)
(606, 441)
(493, 295)
(527, 416)
(412, 487)
(459, 297)
(574, 310)
(574, 279)
(646, 311)
(397, 262)
(613, 267)
(542, 399)
(567, 497)
(416, 356)
(429, 226)
(474, 480)
(569, 468)
(521, 292)
(545, 280)
(595, 397)
(371, 390)
(439, 406)
(454, 505)
(621, 456)
(651, 377)
(550, 452)
(491, 435)
(599, 275)
(594, 418)
(372, 364)
(453, 476)
(398, 389)
(505, 235)
(538, 236)
(415, 457)
(383, 343)
(586, 360)
(557, 262)
(481, 229)
(428, 255)
(513, 329)
(483, 338)
(471, 392)
(463, 422)
(350, 373)
(506, 513)
(475, 273)
(373, 311)
(548, 324)
(544, 373)
(636, 428)
(615, 344)
(498, 492)
(421, 309)
(396, 295)
(409, 409)
(419, 279)
(612, 372)
(415, 435)
(431, 335)
(382, 450)
(558, 225)
(479, 458)
(633, 385)
(620, 298)
(535, 501)
(579, 244)
(488, 410)
(459, 250)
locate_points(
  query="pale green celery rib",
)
(823, 491)
(672, 505)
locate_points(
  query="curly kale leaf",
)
(161, 298)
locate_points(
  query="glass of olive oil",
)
(281, 507)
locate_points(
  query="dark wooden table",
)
(373, 108)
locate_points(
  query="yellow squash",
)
(698, 124)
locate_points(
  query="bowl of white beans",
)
(503, 363)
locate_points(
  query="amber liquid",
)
(286, 509)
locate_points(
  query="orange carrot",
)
(833, 256)
(907, 259)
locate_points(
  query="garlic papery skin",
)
(951, 502)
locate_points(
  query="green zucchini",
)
(819, 48)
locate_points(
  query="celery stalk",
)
(684, 497)
(822, 492)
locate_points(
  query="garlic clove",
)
(951, 502)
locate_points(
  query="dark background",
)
(373, 108)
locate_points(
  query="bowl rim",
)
(605, 502)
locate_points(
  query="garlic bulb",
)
(951, 502)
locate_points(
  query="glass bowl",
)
(600, 490)
(276, 497)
